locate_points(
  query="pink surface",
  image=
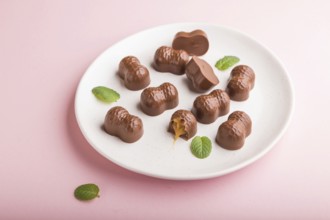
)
(45, 47)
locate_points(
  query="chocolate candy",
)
(195, 42)
(118, 122)
(201, 74)
(232, 133)
(207, 108)
(135, 75)
(240, 83)
(167, 59)
(155, 100)
(183, 124)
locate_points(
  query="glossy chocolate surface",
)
(183, 124)
(118, 122)
(195, 43)
(201, 74)
(155, 100)
(240, 83)
(167, 59)
(135, 75)
(207, 108)
(232, 133)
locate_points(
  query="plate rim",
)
(239, 166)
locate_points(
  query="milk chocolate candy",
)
(195, 42)
(232, 133)
(240, 83)
(201, 74)
(167, 59)
(155, 100)
(135, 75)
(118, 122)
(207, 108)
(183, 124)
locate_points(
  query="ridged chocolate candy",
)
(118, 122)
(232, 133)
(207, 108)
(135, 75)
(183, 124)
(155, 100)
(167, 59)
(240, 83)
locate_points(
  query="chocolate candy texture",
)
(232, 133)
(118, 122)
(201, 74)
(155, 100)
(240, 83)
(167, 59)
(134, 75)
(183, 124)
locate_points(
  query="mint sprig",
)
(87, 192)
(201, 147)
(226, 62)
(105, 94)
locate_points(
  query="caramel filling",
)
(178, 128)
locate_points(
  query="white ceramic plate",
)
(270, 105)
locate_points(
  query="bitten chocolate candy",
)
(155, 100)
(183, 124)
(240, 83)
(232, 133)
(167, 59)
(201, 74)
(118, 122)
(195, 42)
(135, 75)
(207, 108)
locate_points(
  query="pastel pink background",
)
(45, 47)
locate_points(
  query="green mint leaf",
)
(87, 192)
(105, 94)
(226, 62)
(201, 147)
